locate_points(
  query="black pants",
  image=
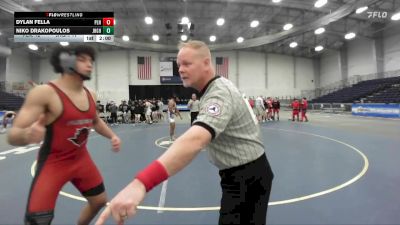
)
(193, 117)
(114, 117)
(245, 193)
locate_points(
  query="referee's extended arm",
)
(178, 155)
(184, 149)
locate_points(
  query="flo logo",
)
(80, 137)
(378, 16)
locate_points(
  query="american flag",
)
(144, 67)
(222, 66)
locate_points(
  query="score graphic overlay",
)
(64, 26)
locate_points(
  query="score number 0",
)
(108, 21)
(108, 25)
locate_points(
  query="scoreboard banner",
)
(169, 72)
(166, 69)
(63, 26)
(376, 110)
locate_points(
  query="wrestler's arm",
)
(34, 106)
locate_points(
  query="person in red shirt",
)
(269, 108)
(276, 105)
(295, 109)
(304, 105)
(251, 102)
(63, 112)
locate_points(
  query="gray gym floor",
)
(335, 169)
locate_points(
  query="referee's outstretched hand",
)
(124, 204)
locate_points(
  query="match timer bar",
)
(66, 38)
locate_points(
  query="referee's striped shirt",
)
(232, 124)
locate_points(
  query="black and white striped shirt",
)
(232, 124)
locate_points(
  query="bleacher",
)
(10, 102)
(389, 95)
(385, 90)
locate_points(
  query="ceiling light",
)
(185, 20)
(349, 36)
(293, 44)
(125, 38)
(213, 38)
(239, 40)
(320, 3)
(361, 9)
(184, 37)
(64, 43)
(396, 16)
(276, 1)
(33, 47)
(148, 20)
(319, 30)
(288, 26)
(155, 37)
(220, 21)
(254, 23)
(319, 48)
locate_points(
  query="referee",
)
(227, 127)
(194, 106)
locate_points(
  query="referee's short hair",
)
(197, 45)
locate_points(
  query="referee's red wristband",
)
(152, 175)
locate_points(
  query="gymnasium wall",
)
(330, 67)
(115, 70)
(18, 66)
(3, 63)
(364, 57)
(391, 49)
(361, 57)
(269, 74)
(254, 73)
